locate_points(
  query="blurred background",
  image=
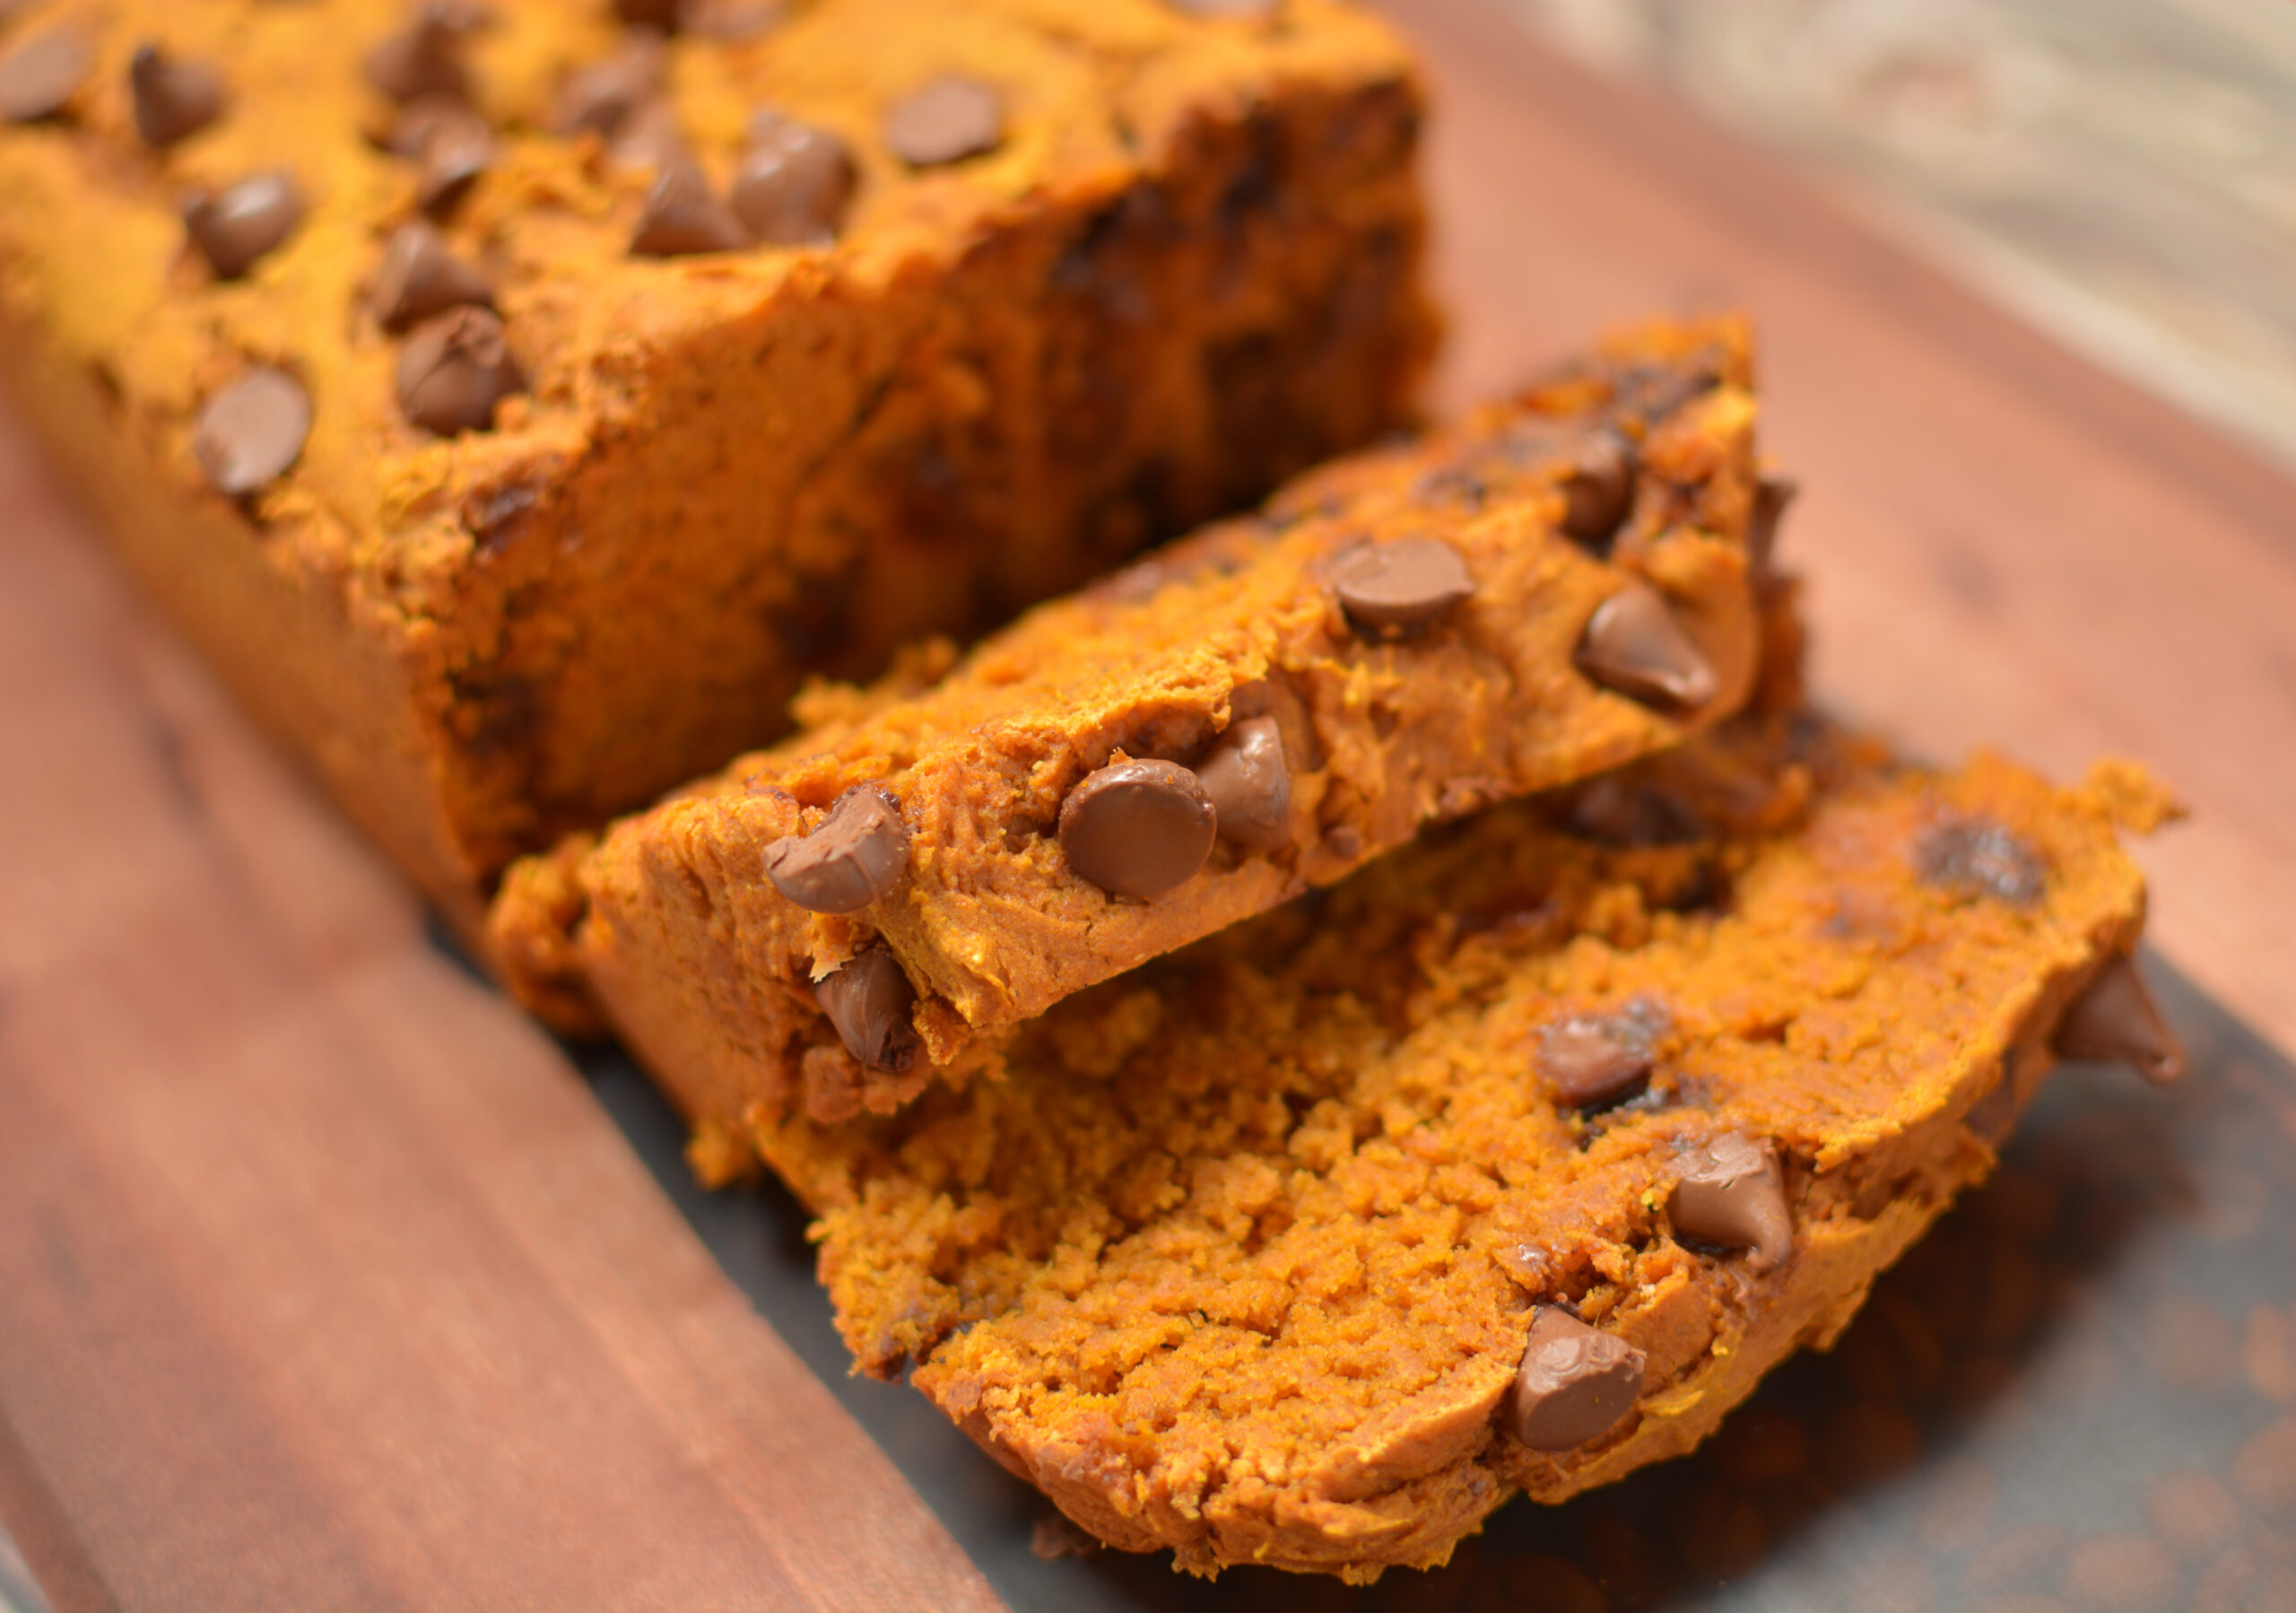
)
(2121, 173)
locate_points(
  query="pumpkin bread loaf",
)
(1540, 593)
(516, 403)
(1511, 1163)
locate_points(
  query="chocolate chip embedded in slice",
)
(858, 855)
(39, 76)
(1137, 828)
(2115, 1020)
(1732, 1195)
(1634, 646)
(663, 14)
(425, 56)
(239, 226)
(1249, 785)
(947, 121)
(1575, 1384)
(1598, 488)
(454, 370)
(794, 184)
(1397, 588)
(420, 276)
(252, 432)
(1591, 1059)
(173, 100)
(1978, 857)
(868, 999)
(684, 216)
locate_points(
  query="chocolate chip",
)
(419, 276)
(455, 149)
(1393, 589)
(236, 227)
(649, 138)
(252, 432)
(1137, 828)
(648, 13)
(794, 183)
(1732, 1195)
(868, 999)
(858, 855)
(415, 124)
(173, 100)
(684, 216)
(1772, 497)
(40, 75)
(949, 119)
(1633, 645)
(2115, 1020)
(600, 98)
(1575, 1385)
(729, 22)
(1249, 784)
(1978, 857)
(1593, 1059)
(425, 56)
(1598, 488)
(454, 370)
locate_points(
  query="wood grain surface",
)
(323, 1283)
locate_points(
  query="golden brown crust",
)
(1238, 1257)
(706, 968)
(1191, 267)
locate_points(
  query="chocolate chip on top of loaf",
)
(1397, 639)
(1305, 1246)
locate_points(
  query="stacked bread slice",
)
(1386, 1003)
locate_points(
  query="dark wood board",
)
(325, 1283)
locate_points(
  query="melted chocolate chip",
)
(1732, 1195)
(858, 854)
(663, 14)
(425, 56)
(1598, 489)
(252, 432)
(1137, 828)
(39, 76)
(1245, 777)
(794, 184)
(1397, 588)
(454, 370)
(419, 276)
(173, 100)
(868, 1000)
(947, 121)
(1634, 646)
(237, 227)
(1575, 1384)
(2115, 1020)
(1978, 857)
(684, 216)
(1593, 1059)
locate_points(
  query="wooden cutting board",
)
(326, 1283)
